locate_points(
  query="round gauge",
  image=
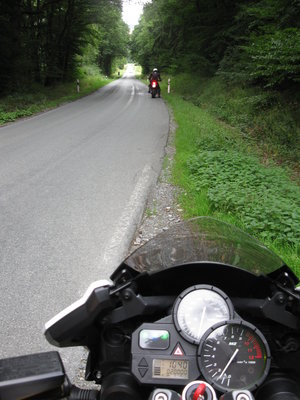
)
(198, 308)
(234, 355)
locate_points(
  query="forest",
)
(254, 42)
(44, 41)
(250, 42)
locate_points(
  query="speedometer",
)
(198, 308)
(234, 355)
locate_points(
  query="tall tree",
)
(11, 51)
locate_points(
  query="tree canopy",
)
(40, 40)
(254, 41)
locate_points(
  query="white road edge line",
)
(127, 224)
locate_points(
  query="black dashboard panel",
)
(175, 364)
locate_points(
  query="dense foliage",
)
(42, 40)
(265, 117)
(263, 198)
(254, 41)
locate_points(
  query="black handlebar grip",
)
(83, 394)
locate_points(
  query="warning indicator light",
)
(178, 351)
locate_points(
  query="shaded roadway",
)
(73, 184)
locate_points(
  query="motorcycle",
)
(202, 311)
(154, 88)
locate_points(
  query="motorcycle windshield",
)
(204, 239)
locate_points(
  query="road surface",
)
(73, 184)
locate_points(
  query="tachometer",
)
(234, 355)
(198, 308)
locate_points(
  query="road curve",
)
(73, 184)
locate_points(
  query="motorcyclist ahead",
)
(154, 76)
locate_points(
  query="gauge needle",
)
(201, 322)
(229, 362)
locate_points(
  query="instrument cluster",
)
(203, 338)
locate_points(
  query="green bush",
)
(263, 198)
(273, 58)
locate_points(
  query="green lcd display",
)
(154, 339)
(170, 369)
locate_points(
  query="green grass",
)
(151, 211)
(269, 120)
(225, 174)
(37, 98)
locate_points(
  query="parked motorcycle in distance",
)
(202, 311)
(154, 88)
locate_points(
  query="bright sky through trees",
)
(132, 10)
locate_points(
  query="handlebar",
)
(83, 394)
(39, 376)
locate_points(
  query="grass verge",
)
(39, 98)
(223, 174)
(269, 119)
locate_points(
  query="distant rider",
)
(154, 76)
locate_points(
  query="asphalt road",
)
(73, 184)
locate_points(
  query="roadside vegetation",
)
(225, 174)
(38, 98)
(234, 69)
(266, 119)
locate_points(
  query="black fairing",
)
(234, 281)
(146, 285)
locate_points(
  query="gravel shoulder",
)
(162, 210)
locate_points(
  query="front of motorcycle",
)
(202, 311)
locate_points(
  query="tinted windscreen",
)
(204, 239)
